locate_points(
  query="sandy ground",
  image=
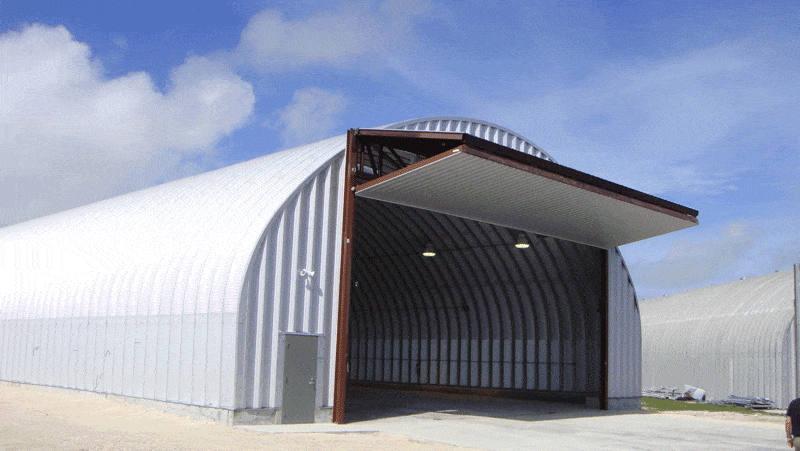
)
(32, 419)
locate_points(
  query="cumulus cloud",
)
(688, 263)
(334, 38)
(70, 136)
(313, 114)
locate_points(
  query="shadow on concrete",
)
(366, 404)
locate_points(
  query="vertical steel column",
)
(604, 304)
(343, 325)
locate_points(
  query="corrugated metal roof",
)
(472, 184)
(481, 129)
(201, 228)
(745, 297)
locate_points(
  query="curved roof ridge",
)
(151, 230)
(482, 129)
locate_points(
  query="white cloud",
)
(685, 124)
(688, 263)
(70, 136)
(272, 43)
(786, 255)
(313, 114)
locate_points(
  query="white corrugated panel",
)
(303, 235)
(729, 339)
(472, 185)
(139, 295)
(624, 332)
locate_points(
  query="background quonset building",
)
(260, 291)
(736, 338)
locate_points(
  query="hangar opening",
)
(481, 316)
(469, 267)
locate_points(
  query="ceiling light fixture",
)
(429, 252)
(522, 242)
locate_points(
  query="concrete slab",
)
(507, 425)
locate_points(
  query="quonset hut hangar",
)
(736, 338)
(259, 292)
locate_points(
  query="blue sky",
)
(696, 102)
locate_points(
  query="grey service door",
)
(299, 381)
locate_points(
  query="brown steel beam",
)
(343, 325)
(405, 170)
(398, 161)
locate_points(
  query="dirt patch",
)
(32, 419)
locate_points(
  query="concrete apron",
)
(511, 424)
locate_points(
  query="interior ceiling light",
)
(429, 252)
(522, 242)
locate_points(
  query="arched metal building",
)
(736, 338)
(258, 292)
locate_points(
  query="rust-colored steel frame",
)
(604, 314)
(340, 383)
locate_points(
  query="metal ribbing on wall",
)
(625, 333)
(301, 239)
(139, 295)
(480, 314)
(731, 338)
(73, 340)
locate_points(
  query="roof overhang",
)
(490, 183)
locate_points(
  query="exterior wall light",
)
(522, 242)
(429, 252)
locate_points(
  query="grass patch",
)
(666, 405)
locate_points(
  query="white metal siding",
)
(304, 234)
(624, 332)
(139, 295)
